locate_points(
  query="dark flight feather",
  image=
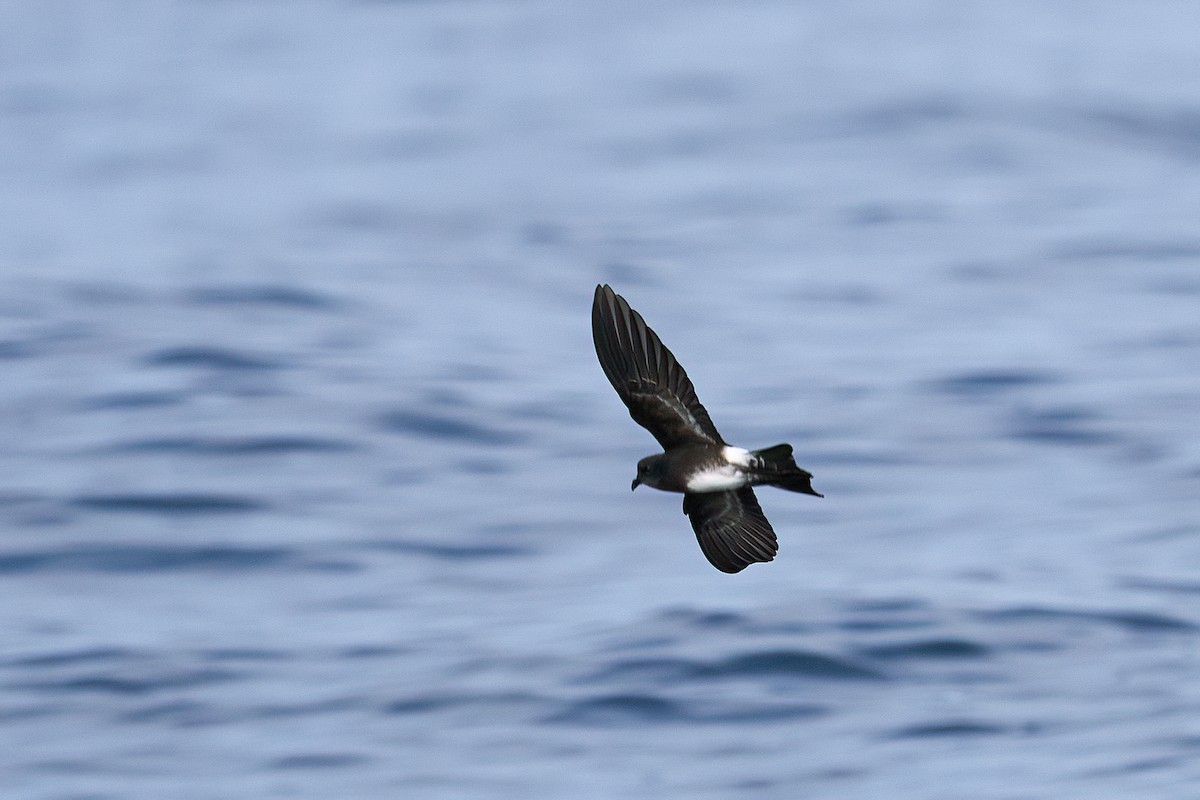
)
(731, 528)
(649, 380)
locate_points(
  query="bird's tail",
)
(775, 466)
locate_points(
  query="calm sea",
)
(311, 486)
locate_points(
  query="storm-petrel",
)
(714, 477)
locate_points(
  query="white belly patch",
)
(717, 479)
(736, 455)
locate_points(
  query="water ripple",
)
(434, 426)
(235, 446)
(1128, 620)
(948, 729)
(803, 664)
(262, 295)
(132, 401)
(72, 657)
(210, 358)
(926, 649)
(990, 382)
(105, 683)
(791, 663)
(11, 350)
(181, 713)
(452, 552)
(621, 709)
(143, 558)
(1061, 426)
(314, 761)
(639, 708)
(170, 504)
(437, 702)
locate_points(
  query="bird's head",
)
(649, 470)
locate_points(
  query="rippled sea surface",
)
(311, 487)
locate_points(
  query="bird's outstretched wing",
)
(731, 528)
(646, 375)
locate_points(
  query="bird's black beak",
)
(636, 483)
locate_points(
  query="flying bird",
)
(714, 477)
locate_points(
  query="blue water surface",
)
(311, 487)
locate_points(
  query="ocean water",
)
(311, 486)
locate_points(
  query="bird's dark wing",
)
(731, 528)
(647, 377)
